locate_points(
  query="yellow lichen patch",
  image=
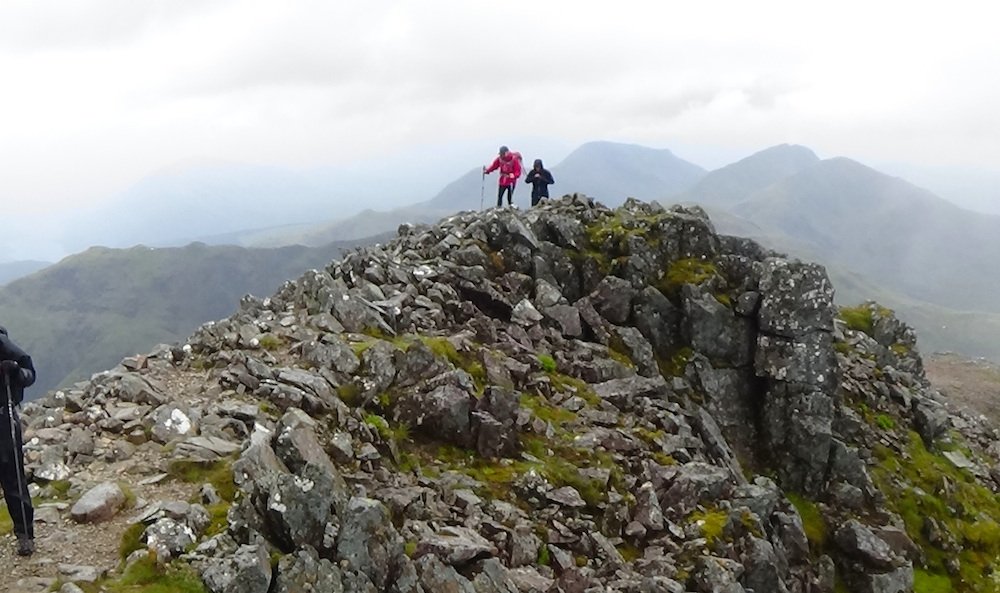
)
(711, 521)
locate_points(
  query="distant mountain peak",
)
(733, 183)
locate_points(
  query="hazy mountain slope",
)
(733, 183)
(940, 328)
(607, 171)
(16, 269)
(177, 206)
(472, 191)
(88, 311)
(611, 172)
(884, 228)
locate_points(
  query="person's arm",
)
(16, 363)
(531, 176)
(549, 179)
(493, 167)
(27, 375)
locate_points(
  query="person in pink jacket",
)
(509, 164)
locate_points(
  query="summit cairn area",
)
(567, 399)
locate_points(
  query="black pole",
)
(15, 450)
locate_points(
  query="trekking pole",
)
(18, 465)
(482, 190)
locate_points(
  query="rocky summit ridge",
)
(567, 399)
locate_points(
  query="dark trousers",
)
(510, 194)
(12, 468)
(537, 197)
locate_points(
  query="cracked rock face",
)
(566, 399)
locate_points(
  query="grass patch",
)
(611, 234)
(885, 422)
(131, 540)
(385, 430)
(218, 473)
(690, 270)
(923, 485)
(557, 462)
(629, 553)
(443, 348)
(567, 384)
(269, 342)
(218, 515)
(6, 523)
(843, 348)
(547, 363)
(900, 349)
(59, 489)
(145, 576)
(712, 523)
(348, 393)
(544, 559)
(925, 582)
(862, 318)
(676, 363)
(547, 412)
(812, 521)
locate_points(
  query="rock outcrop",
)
(568, 399)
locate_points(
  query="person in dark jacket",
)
(16, 373)
(540, 179)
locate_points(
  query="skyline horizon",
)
(429, 185)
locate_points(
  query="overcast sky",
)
(98, 94)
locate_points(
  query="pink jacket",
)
(510, 168)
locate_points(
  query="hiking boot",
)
(25, 546)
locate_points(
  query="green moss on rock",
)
(812, 521)
(924, 487)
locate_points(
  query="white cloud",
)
(99, 94)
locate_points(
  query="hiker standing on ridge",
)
(16, 373)
(540, 179)
(509, 164)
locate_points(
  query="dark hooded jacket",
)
(540, 179)
(19, 379)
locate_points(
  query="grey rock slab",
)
(80, 441)
(171, 422)
(796, 298)
(246, 571)
(455, 546)
(931, 419)
(443, 413)
(647, 508)
(859, 542)
(80, 574)
(304, 571)
(100, 503)
(717, 575)
(206, 448)
(436, 576)
(527, 579)
(525, 313)
(169, 538)
(566, 496)
(524, 545)
(368, 543)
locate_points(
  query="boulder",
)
(248, 570)
(100, 503)
(303, 570)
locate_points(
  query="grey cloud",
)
(30, 26)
